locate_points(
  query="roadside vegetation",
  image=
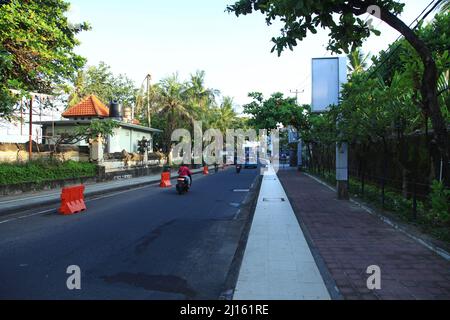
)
(41, 171)
(395, 160)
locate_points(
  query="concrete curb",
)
(248, 208)
(88, 194)
(328, 279)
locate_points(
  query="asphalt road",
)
(147, 243)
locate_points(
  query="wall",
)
(17, 132)
(126, 139)
(58, 130)
(18, 152)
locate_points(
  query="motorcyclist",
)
(185, 173)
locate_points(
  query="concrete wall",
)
(127, 139)
(18, 152)
(56, 131)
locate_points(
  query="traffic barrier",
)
(205, 170)
(165, 180)
(72, 200)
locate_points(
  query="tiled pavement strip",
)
(277, 263)
(349, 239)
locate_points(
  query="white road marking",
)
(28, 215)
(89, 200)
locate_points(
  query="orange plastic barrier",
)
(205, 170)
(165, 180)
(72, 200)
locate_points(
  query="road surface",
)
(147, 243)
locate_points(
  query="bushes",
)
(433, 215)
(41, 171)
(440, 196)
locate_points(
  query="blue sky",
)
(161, 37)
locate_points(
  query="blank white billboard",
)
(328, 75)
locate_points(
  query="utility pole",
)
(296, 94)
(30, 133)
(149, 117)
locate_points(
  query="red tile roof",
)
(91, 106)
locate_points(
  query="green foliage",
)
(275, 111)
(176, 104)
(100, 81)
(304, 16)
(36, 48)
(432, 216)
(440, 203)
(41, 171)
(96, 129)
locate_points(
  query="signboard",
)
(328, 75)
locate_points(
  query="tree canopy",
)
(36, 48)
(348, 31)
(100, 80)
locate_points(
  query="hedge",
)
(41, 171)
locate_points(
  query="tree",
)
(36, 48)
(97, 128)
(225, 116)
(357, 61)
(100, 81)
(275, 111)
(202, 100)
(348, 33)
(172, 108)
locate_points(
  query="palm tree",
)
(202, 99)
(171, 104)
(357, 61)
(225, 116)
(76, 91)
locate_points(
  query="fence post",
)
(383, 185)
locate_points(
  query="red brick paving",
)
(349, 240)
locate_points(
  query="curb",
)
(87, 195)
(248, 208)
(328, 279)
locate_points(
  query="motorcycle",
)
(238, 168)
(182, 185)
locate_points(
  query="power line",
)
(391, 53)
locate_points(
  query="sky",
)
(163, 37)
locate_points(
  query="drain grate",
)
(241, 190)
(274, 199)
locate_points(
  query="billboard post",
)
(328, 76)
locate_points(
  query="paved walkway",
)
(349, 240)
(277, 263)
(9, 204)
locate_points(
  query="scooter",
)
(182, 185)
(238, 168)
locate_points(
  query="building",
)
(125, 137)
(17, 130)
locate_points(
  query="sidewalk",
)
(349, 239)
(24, 201)
(277, 263)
